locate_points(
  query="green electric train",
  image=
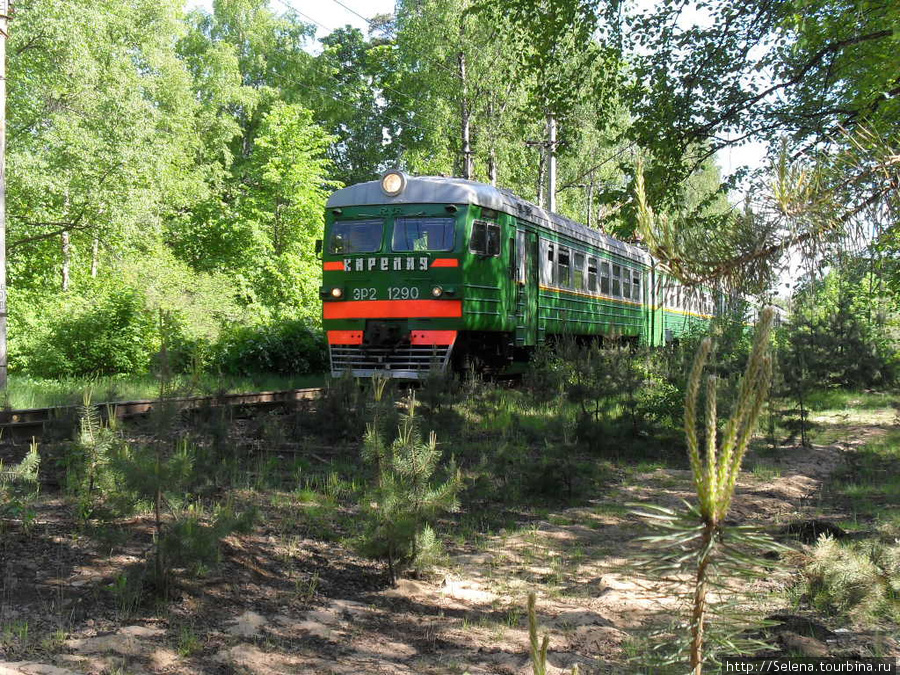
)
(430, 272)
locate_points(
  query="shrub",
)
(114, 333)
(286, 348)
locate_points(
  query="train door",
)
(525, 292)
(531, 262)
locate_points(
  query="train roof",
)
(441, 190)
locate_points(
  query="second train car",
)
(427, 272)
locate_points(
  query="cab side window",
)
(485, 239)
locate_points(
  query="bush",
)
(114, 333)
(285, 348)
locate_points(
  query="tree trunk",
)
(95, 257)
(698, 615)
(66, 261)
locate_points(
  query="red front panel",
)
(392, 309)
(432, 337)
(345, 337)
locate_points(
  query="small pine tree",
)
(538, 648)
(19, 487)
(698, 542)
(88, 465)
(405, 498)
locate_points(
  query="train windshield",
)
(424, 234)
(356, 236)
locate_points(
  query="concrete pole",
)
(551, 140)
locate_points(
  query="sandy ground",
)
(293, 604)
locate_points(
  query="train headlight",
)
(393, 182)
(337, 293)
(437, 291)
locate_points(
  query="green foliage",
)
(405, 497)
(164, 473)
(289, 347)
(113, 335)
(89, 463)
(841, 332)
(19, 487)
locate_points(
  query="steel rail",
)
(25, 424)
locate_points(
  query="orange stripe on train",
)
(334, 266)
(392, 309)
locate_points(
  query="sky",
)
(326, 15)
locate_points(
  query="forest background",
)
(167, 169)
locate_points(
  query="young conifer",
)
(406, 499)
(19, 488)
(698, 541)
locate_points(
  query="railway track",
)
(17, 426)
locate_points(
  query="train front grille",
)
(402, 361)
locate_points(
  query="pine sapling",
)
(405, 498)
(538, 648)
(715, 474)
(698, 544)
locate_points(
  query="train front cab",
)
(391, 292)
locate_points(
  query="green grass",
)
(846, 400)
(26, 392)
(870, 482)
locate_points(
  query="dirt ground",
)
(284, 601)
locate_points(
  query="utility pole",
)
(590, 201)
(4, 27)
(551, 141)
(466, 117)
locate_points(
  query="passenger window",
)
(578, 271)
(563, 273)
(604, 277)
(636, 291)
(493, 239)
(626, 283)
(478, 242)
(592, 275)
(617, 280)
